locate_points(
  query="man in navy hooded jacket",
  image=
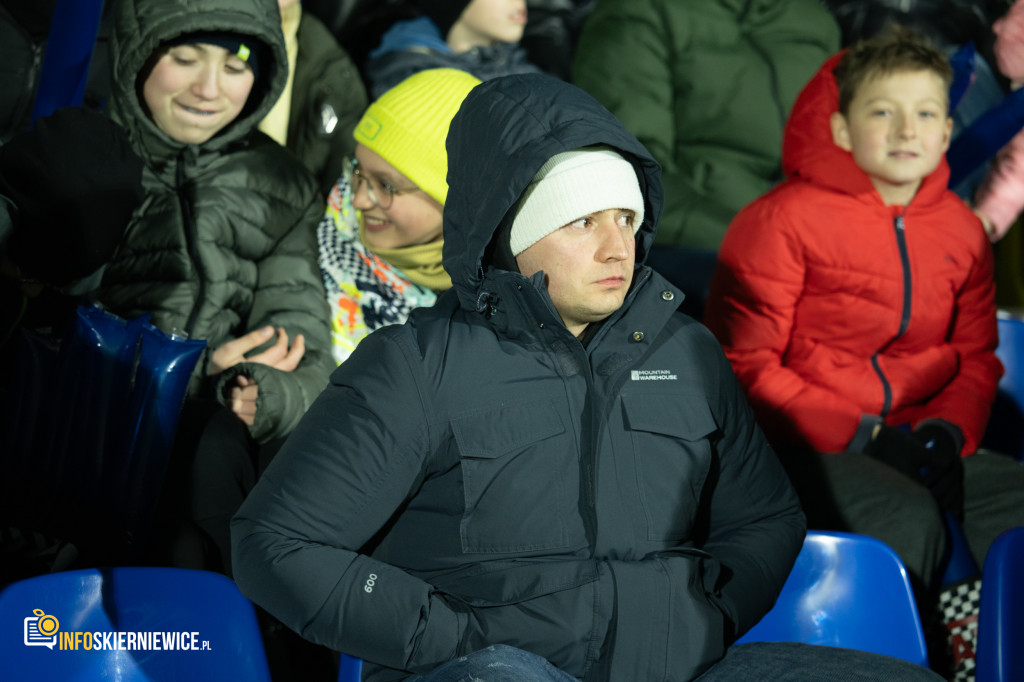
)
(550, 458)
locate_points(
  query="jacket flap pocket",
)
(494, 432)
(679, 416)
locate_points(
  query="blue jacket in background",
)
(416, 45)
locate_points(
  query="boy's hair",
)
(895, 49)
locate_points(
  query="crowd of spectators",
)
(279, 181)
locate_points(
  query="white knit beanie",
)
(572, 185)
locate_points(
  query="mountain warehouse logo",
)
(44, 630)
(652, 375)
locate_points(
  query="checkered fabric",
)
(364, 292)
(959, 604)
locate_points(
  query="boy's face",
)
(588, 266)
(897, 129)
(195, 90)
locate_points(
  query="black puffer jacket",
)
(328, 99)
(613, 508)
(948, 22)
(225, 241)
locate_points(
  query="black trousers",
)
(215, 464)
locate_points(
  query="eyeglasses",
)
(380, 192)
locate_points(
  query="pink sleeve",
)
(1000, 198)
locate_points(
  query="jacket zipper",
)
(901, 243)
(598, 419)
(191, 242)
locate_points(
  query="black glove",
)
(943, 441)
(902, 451)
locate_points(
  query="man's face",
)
(897, 129)
(588, 265)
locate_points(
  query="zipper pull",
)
(899, 222)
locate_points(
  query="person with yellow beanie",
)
(380, 239)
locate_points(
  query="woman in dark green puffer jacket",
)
(225, 241)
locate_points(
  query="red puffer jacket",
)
(838, 311)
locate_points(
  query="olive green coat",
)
(225, 241)
(706, 86)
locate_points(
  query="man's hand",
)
(279, 356)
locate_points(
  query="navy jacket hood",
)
(506, 129)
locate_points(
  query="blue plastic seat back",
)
(999, 653)
(84, 450)
(99, 624)
(69, 49)
(350, 669)
(1005, 431)
(850, 591)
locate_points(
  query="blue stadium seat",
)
(350, 669)
(69, 48)
(999, 656)
(849, 591)
(1005, 432)
(84, 450)
(125, 624)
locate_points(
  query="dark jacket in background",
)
(225, 241)
(947, 22)
(478, 476)
(706, 85)
(552, 29)
(24, 28)
(328, 99)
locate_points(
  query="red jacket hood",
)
(809, 153)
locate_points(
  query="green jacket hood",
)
(142, 26)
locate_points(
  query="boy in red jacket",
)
(856, 304)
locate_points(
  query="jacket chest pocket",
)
(672, 456)
(519, 480)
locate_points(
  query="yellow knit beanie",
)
(408, 125)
